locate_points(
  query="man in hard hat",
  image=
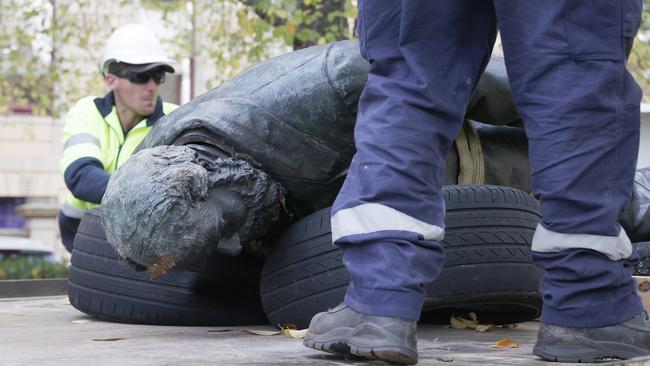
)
(101, 133)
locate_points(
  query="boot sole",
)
(343, 348)
(606, 350)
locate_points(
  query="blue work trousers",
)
(566, 64)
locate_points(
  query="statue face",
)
(159, 207)
(165, 202)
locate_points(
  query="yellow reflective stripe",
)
(615, 247)
(76, 152)
(81, 138)
(373, 217)
(77, 204)
(72, 211)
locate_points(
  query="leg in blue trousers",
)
(425, 58)
(581, 113)
(566, 62)
(389, 214)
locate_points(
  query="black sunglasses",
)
(143, 77)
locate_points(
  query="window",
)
(9, 218)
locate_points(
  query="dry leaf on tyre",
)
(165, 264)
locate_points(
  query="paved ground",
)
(49, 331)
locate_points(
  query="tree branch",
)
(273, 20)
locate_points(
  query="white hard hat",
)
(134, 44)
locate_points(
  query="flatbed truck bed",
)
(47, 330)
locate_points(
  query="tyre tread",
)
(486, 227)
(101, 285)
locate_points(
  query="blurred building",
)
(31, 186)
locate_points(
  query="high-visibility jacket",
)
(94, 145)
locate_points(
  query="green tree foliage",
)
(306, 23)
(50, 48)
(639, 61)
(23, 56)
(231, 35)
(50, 51)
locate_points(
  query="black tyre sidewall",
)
(488, 267)
(223, 292)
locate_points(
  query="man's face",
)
(135, 95)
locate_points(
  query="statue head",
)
(166, 202)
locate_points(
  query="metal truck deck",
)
(47, 330)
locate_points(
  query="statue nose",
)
(230, 246)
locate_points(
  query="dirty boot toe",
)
(346, 332)
(619, 341)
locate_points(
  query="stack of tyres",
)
(488, 271)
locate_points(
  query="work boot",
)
(345, 332)
(624, 340)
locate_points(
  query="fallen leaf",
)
(506, 343)
(295, 333)
(263, 332)
(160, 268)
(644, 286)
(288, 330)
(462, 323)
(287, 326)
(483, 327)
(107, 339)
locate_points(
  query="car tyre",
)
(224, 291)
(487, 271)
